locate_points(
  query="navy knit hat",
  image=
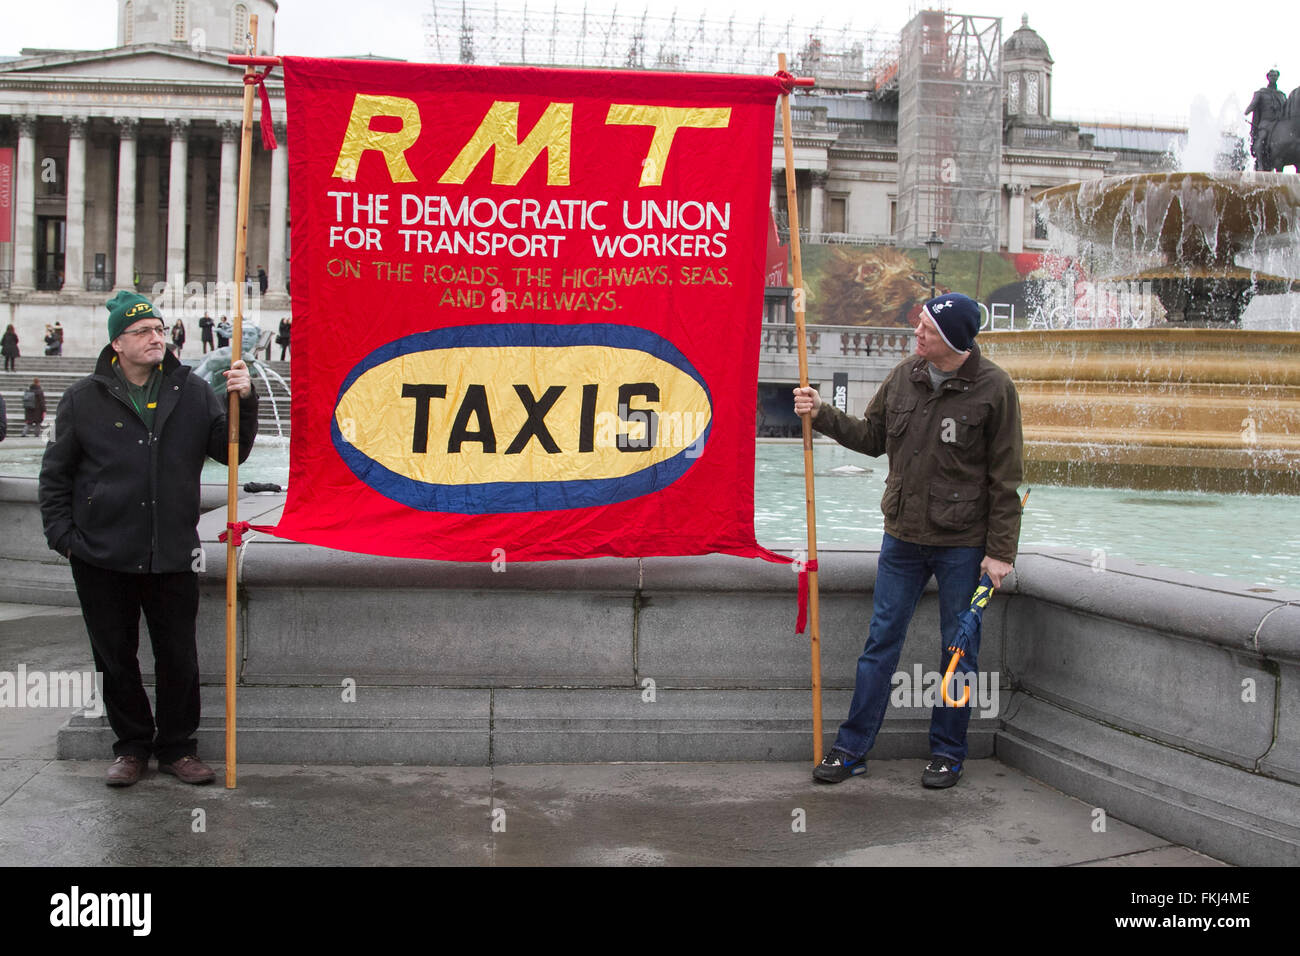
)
(957, 317)
(126, 309)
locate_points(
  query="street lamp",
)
(932, 246)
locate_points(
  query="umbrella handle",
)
(947, 676)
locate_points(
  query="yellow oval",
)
(602, 414)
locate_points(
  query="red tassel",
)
(801, 619)
(235, 531)
(268, 128)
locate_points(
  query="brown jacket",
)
(955, 456)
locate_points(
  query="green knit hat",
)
(124, 310)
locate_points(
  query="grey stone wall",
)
(1164, 699)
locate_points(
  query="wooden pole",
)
(232, 408)
(814, 616)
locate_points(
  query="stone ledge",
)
(1244, 818)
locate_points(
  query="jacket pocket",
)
(889, 504)
(963, 427)
(83, 501)
(898, 413)
(956, 506)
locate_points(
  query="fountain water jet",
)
(1189, 229)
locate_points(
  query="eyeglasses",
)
(148, 330)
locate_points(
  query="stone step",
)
(474, 727)
(37, 582)
(59, 373)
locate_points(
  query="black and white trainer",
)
(839, 765)
(941, 773)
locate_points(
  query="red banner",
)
(6, 194)
(526, 309)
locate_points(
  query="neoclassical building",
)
(124, 169)
(122, 163)
(847, 149)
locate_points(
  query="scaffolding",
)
(950, 130)
(582, 35)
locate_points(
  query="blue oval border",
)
(512, 497)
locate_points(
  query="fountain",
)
(1195, 225)
(1194, 403)
(213, 363)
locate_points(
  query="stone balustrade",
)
(837, 340)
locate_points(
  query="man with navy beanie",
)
(949, 421)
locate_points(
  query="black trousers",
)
(111, 602)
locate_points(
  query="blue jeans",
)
(904, 569)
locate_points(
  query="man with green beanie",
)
(119, 496)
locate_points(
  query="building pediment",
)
(140, 62)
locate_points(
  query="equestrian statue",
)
(1274, 127)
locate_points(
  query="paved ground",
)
(60, 813)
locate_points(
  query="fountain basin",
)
(1172, 409)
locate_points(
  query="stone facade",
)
(126, 161)
(125, 172)
(846, 152)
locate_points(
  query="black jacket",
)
(120, 498)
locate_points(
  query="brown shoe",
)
(190, 769)
(125, 771)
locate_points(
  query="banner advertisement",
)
(6, 194)
(840, 391)
(526, 309)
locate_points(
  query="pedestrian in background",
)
(33, 408)
(205, 333)
(282, 339)
(9, 349)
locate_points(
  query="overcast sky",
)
(1113, 58)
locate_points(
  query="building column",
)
(1016, 219)
(25, 227)
(279, 214)
(778, 188)
(226, 202)
(196, 252)
(124, 270)
(151, 237)
(177, 207)
(817, 208)
(74, 246)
